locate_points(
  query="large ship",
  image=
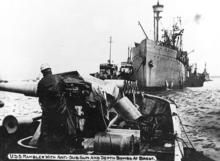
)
(158, 64)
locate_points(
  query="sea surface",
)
(198, 108)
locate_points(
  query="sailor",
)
(53, 104)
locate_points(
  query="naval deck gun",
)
(106, 109)
(80, 91)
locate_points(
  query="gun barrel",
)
(26, 88)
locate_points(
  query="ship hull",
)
(160, 69)
(194, 82)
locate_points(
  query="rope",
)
(182, 141)
(143, 147)
(162, 25)
(179, 148)
(185, 131)
(26, 146)
(103, 114)
(137, 69)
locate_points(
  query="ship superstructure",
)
(206, 74)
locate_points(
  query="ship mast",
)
(157, 9)
(181, 39)
(205, 69)
(129, 58)
(110, 50)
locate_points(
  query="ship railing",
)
(130, 87)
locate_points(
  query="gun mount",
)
(91, 102)
(84, 94)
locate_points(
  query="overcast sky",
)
(74, 34)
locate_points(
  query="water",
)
(199, 109)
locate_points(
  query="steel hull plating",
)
(161, 68)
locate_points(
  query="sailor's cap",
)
(44, 66)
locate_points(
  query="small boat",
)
(140, 126)
(194, 79)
